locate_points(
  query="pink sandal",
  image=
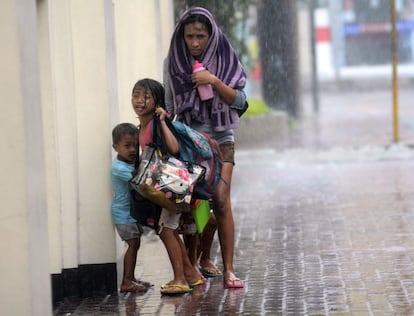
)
(233, 283)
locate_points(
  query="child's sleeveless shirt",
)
(145, 138)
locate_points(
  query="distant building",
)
(357, 33)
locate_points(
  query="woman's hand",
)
(227, 94)
(203, 77)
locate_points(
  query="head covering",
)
(218, 58)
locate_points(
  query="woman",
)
(197, 37)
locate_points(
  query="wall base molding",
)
(86, 280)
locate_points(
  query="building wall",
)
(353, 39)
(66, 77)
(23, 224)
(142, 34)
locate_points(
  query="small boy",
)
(124, 142)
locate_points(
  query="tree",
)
(277, 37)
(277, 34)
(230, 16)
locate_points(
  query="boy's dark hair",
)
(156, 89)
(123, 129)
(192, 18)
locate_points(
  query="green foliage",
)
(231, 17)
(257, 107)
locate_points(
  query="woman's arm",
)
(240, 102)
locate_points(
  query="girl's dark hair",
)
(192, 18)
(156, 89)
(123, 129)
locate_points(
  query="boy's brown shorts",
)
(227, 152)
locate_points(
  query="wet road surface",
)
(325, 227)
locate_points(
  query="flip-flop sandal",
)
(196, 283)
(134, 288)
(171, 288)
(143, 283)
(233, 283)
(167, 284)
(211, 272)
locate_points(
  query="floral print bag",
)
(165, 180)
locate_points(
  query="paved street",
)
(323, 227)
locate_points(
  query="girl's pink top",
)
(146, 137)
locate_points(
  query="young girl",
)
(147, 99)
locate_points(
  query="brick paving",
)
(318, 232)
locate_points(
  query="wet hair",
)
(193, 18)
(123, 129)
(156, 89)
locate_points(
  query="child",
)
(147, 99)
(199, 247)
(124, 142)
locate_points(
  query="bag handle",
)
(158, 139)
(137, 159)
(178, 137)
(153, 144)
(157, 142)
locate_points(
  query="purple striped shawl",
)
(220, 59)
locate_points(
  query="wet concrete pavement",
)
(324, 226)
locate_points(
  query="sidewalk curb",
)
(359, 84)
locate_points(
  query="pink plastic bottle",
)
(206, 90)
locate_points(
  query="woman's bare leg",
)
(225, 225)
(204, 250)
(224, 217)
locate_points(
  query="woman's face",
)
(196, 38)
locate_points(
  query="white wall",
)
(143, 35)
(93, 130)
(24, 265)
(66, 76)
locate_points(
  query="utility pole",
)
(314, 80)
(394, 54)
